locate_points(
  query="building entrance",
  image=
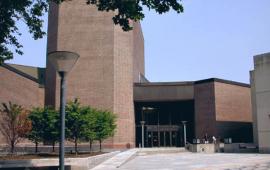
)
(163, 136)
(160, 124)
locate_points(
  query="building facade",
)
(110, 61)
(110, 75)
(214, 107)
(260, 90)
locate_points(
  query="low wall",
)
(264, 150)
(71, 163)
(240, 148)
(203, 148)
(30, 149)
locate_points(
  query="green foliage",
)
(14, 124)
(12, 11)
(45, 126)
(36, 117)
(75, 122)
(105, 125)
(51, 126)
(133, 9)
(90, 118)
(87, 124)
(31, 11)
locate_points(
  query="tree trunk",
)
(36, 150)
(90, 145)
(99, 145)
(76, 146)
(12, 146)
(53, 146)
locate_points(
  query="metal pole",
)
(185, 135)
(142, 135)
(62, 120)
(158, 132)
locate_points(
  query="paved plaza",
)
(195, 161)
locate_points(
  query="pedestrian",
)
(214, 139)
(206, 138)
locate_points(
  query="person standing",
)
(214, 139)
(206, 138)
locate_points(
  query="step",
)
(143, 151)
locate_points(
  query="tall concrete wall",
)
(260, 78)
(104, 74)
(254, 108)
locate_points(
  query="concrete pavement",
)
(135, 160)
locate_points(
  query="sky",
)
(212, 38)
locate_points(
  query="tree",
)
(75, 122)
(45, 123)
(105, 125)
(51, 126)
(31, 11)
(37, 126)
(14, 123)
(90, 118)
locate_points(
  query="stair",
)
(144, 151)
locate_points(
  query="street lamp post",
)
(185, 132)
(63, 61)
(142, 123)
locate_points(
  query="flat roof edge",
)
(222, 81)
(188, 83)
(184, 83)
(10, 68)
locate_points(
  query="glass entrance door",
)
(163, 139)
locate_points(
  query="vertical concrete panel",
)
(254, 108)
(262, 94)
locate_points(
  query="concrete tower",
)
(110, 62)
(260, 93)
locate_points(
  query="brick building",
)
(110, 75)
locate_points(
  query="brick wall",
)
(103, 76)
(205, 120)
(223, 110)
(138, 52)
(19, 90)
(233, 103)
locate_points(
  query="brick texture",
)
(223, 110)
(138, 52)
(205, 120)
(19, 90)
(232, 102)
(103, 76)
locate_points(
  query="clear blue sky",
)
(210, 39)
